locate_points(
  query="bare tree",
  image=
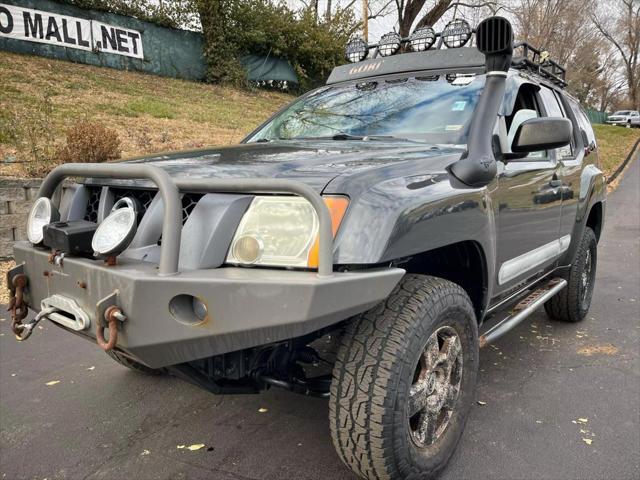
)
(619, 23)
(409, 11)
(558, 26)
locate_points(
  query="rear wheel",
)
(404, 381)
(574, 301)
(133, 365)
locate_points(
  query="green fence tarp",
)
(596, 117)
(262, 68)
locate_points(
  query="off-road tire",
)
(571, 304)
(133, 365)
(374, 370)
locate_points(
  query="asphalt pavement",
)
(554, 401)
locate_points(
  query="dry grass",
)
(5, 265)
(614, 144)
(150, 113)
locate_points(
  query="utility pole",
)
(365, 20)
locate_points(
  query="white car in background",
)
(628, 118)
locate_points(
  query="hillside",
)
(149, 113)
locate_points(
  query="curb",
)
(623, 165)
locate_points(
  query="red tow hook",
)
(112, 315)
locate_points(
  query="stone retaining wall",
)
(16, 197)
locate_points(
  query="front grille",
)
(144, 198)
(91, 214)
(189, 202)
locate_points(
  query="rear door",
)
(572, 166)
(528, 202)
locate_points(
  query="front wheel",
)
(404, 381)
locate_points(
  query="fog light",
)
(389, 44)
(116, 231)
(42, 213)
(422, 39)
(356, 50)
(457, 33)
(248, 249)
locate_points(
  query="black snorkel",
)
(477, 166)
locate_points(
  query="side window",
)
(583, 121)
(554, 108)
(526, 107)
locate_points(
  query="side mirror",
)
(545, 133)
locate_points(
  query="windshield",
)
(432, 109)
(622, 112)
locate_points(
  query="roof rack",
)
(538, 62)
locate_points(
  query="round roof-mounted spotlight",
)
(457, 33)
(389, 44)
(356, 50)
(422, 39)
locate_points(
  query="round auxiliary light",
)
(248, 249)
(457, 33)
(422, 39)
(116, 231)
(389, 44)
(42, 213)
(356, 50)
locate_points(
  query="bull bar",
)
(170, 191)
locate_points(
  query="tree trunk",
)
(433, 15)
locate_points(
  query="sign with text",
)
(71, 32)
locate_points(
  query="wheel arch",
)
(463, 263)
(595, 219)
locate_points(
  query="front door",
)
(528, 201)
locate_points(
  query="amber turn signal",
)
(337, 206)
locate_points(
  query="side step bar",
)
(522, 310)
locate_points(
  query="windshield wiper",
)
(347, 136)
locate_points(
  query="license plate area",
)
(68, 313)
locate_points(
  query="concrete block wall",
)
(16, 197)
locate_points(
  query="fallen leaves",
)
(481, 403)
(91, 368)
(607, 349)
(145, 452)
(262, 410)
(195, 447)
(588, 441)
(52, 382)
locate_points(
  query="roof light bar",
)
(456, 34)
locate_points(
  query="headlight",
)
(42, 213)
(116, 231)
(280, 231)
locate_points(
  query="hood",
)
(315, 163)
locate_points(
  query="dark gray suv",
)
(362, 245)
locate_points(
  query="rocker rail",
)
(170, 191)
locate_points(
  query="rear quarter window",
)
(583, 120)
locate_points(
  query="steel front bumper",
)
(247, 307)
